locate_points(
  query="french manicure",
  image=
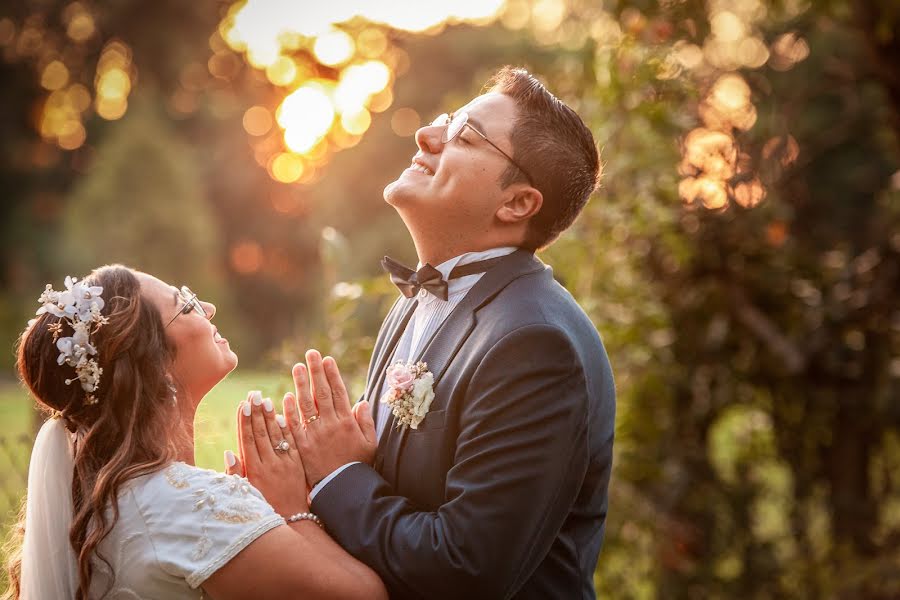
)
(267, 404)
(230, 458)
(281, 421)
(246, 409)
(257, 397)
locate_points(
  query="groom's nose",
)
(210, 309)
(428, 138)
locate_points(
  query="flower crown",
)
(79, 305)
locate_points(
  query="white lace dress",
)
(176, 527)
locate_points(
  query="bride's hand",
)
(269, 457)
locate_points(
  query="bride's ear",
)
(524, 203)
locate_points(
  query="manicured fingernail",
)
(230, 458)
(267, 404)
(257, 398)
(246, 409)
(282, 422)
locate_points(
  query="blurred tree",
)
(755, 333)
(142, 204)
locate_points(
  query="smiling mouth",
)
(217, 337)
(420, 168)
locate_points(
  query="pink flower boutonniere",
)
(410, 392)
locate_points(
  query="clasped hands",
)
(286, 455)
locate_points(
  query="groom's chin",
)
(393, 192)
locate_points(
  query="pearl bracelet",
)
(306, 516)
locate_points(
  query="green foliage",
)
(754, 349)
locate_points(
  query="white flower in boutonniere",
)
(410, 392)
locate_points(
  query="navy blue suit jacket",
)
(501, 492)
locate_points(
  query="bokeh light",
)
(55, 75)
(782, 149)
(306, 115)
(257, 120)
(371, 42)
(405, 122)
(112, 83)
(79, 22)
(287, 167)
(336, 65)
(749, 193)
(334, 48)
(787, 50)
(357, 122)
(246, 257)
(282, 72)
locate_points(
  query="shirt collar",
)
(454, 286)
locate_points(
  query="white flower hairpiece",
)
(79, 305)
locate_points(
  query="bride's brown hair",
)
(128, 432)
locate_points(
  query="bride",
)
(115, 506)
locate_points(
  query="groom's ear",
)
(523, 203)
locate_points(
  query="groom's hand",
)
(327, 432)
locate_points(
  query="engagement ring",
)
(282, 446)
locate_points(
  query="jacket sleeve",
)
(521, 456)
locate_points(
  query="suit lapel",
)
(381, 340)
(404, 312)
(450, 336)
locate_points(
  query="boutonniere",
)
(410, 392)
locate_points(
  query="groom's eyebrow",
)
(175, 298)
(477, 124)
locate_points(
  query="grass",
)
(215, 426)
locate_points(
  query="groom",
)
(501, 490)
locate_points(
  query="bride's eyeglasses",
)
(191, 304)
(454, 123)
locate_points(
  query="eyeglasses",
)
(456, 122)
(191, 303)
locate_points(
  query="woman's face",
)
(202, 357)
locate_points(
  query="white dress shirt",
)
(430, 313)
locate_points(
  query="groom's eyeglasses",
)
(191, 304)
(456, 122)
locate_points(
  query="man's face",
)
(456, 186)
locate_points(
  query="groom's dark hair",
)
(551, 141)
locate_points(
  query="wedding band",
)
(282, 446)
(310, 420)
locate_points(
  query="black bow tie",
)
(428, 278)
